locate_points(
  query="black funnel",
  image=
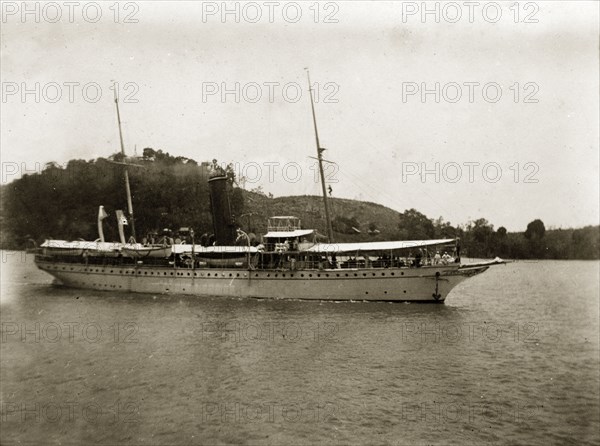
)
(223, 225)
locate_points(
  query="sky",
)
(461, 113)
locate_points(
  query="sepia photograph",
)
(300, 223)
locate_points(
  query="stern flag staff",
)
(101, 216)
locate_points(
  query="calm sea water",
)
(511, 358)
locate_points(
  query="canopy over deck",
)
(289, 234)
(199, 249)
(376, 246)
(86, 245)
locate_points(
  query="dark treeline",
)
(479, 239)
(172, 192)
(62, 201)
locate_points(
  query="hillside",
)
(345, 214)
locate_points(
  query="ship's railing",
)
(288, 261)
(281, 224)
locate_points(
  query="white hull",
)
(394, 284)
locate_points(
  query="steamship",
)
(290, 262)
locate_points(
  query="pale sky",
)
(543, 127)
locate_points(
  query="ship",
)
(290, 262)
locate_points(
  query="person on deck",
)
(418, 258)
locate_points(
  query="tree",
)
(415, 226)
(480, 238)
(443, 229)
(148, 153)
(535, 230)
(534, 235)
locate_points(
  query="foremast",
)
(127, 186)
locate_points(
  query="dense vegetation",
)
(172, 192)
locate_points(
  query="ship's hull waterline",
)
(427, 284)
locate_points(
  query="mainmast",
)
(127, 187)
(320, 160)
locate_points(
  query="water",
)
(511, 358)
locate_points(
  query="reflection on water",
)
(512, 357)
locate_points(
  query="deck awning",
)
(199, 249)
(289, 234)
(85, 245)
(376, 246)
